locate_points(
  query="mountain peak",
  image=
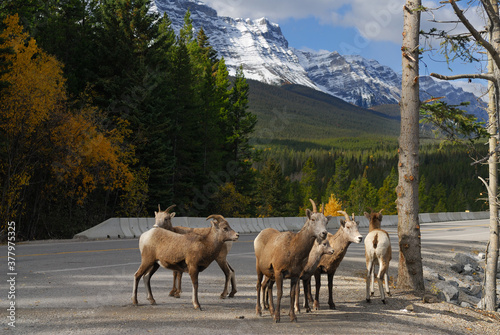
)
(261, 48)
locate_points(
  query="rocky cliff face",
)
(260, 47)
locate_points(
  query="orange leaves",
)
(90, 158)
(71, 152)
(333, 206)
(37, 82)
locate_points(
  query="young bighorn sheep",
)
(377, 248)
(163, 219)
(347, 233)
(189, 252)
(319, 249)
(283, 255)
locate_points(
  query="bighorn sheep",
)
(189, 252)
(283, 255)
(347, 233)
(319, 249)
(163, 219)
(377, 248)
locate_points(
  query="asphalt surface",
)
(85, 287)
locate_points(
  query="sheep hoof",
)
(152, 301)
(223, 296)
(383, 300)
(233, 292)
(332, 306)
(368, 300)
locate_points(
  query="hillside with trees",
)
(107, 112)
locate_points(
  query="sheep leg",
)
(193, 273)
(307, 294)
(147, 282)
(279, 294)
(382, 273)
(143, 268)
(176, 288)
(297, 295)
(317, 277)
(258, 308)
(330, 290)
(230, 277)
(386, 282)
(369, 276)
(294, 286)
(270, 296)
(265, 292)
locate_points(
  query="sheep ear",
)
(156, 214)
(172, 215)
(308, 213)
(380, 216)
(342, 223)
(215, 224)
(367, 215)
(328, 218)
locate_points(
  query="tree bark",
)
(489, 288)
(410, 273)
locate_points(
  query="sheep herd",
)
(279, 255)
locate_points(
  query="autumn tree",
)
(54, 156)
(333, 206)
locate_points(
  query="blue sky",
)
(370, 28)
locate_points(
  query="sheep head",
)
(350, 228)
(375, 219)
(163, 219)
(317, 221)
(221, 226)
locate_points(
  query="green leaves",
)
(455, 124)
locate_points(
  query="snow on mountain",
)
(258, 45)
(263, 51)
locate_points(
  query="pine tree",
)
(309, 183)
(339, 183)
(271, 190)
(387, 194)
(240, 123)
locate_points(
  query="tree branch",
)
(492, 14)
(493, 52)
(485, 76)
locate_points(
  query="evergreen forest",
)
(107, 112)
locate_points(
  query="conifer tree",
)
(387, 194)
(240, 123)
(271, 190)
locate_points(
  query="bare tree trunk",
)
(489, 288)
(410, 273)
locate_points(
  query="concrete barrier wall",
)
(134, 227)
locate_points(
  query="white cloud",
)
(375, 20)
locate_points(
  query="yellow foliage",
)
(333, 206)
(42, 134)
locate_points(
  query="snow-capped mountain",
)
(258, 45)
(263, 51)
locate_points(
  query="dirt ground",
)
(403, 314)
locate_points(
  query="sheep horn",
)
(380, 212)
(159, 210)
(345, 214)
(353, 219)
(315, 210)
(217, 217)
(169, 208)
